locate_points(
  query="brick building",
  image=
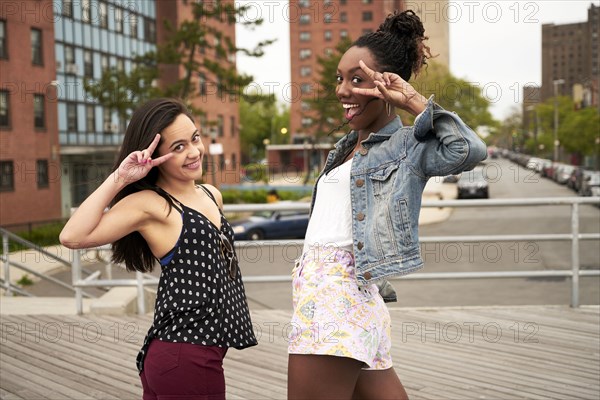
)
(571, 52)
(29, 151)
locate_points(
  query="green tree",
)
(261, 121)
(184, 47)
(577, 128)
(453, 94)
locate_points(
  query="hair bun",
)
(406, 24)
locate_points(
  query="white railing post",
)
(76, 278)
(575, 255)
(141, 301)
(6, 264)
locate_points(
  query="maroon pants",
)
(183, 371)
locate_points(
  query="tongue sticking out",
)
(351, 112)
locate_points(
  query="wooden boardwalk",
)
(531, 352)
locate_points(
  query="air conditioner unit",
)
(72, 69)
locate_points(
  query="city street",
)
(507, 180)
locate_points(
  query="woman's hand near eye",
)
(393, 89)
(138, 163)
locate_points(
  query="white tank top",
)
(331, 219)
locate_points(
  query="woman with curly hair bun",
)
(364, 216)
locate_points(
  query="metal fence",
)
(575, 236)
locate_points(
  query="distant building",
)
(316, 27)
(30, 172)
(571, 52)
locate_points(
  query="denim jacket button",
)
(360, 182)
(363, 151)
(359, 245)
(367, 275)
(360, 216)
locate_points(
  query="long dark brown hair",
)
(148, 120)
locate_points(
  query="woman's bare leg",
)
(317, 377)
(379, 384)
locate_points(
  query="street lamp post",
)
(535, 128)
(556, 82)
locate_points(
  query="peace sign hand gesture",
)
(393, 89)
(137, 164)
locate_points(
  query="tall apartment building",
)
(220, 123)
(316, 26)
(30, 172)
(571, 52)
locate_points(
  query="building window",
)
(72, 117)
(3, 48)
(4, 109)
(328, 35)
(88, 64)
(220, 124)
(36, 46)
(106, 121)
(305, 88)
(202, 84)
(303, 3)
(327, 19)
(119, 20)
(104, 62)
(328, 51)
(90, 118)
(42, 174)
(304, 36)
(305, 71)
(149, 30)
(221, 161)
(305, 53)
(69, 55)
(67, 8)
(233, 161)
(343, 2)
(39, 114)
(306, 122)
(304, 106)
(367, 1)
(120, 64)
(103, 11)
(85, 11)
(304, 19)
(343, 33)
(232, 127)
(344, 17)
(367, 16)
(367, 30)
(133, 25)
(7, 178)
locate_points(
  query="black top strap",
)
(176, 203)
(209, 193)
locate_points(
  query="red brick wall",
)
(21, 142)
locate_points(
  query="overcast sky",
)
(493, 44)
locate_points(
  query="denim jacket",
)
(387, 178)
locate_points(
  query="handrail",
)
(575, 236)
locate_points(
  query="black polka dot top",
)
(201, 297)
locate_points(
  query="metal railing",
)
(7, 262)
(575, 237)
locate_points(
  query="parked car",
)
(563, 173)
(272, 225)
(473, 184)
(590, 184)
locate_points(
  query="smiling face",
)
(183, 140)
(364, 112)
